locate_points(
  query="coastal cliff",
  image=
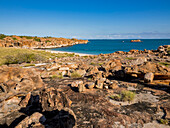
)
(37, 42)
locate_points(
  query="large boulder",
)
(81, 72)
(138, 61)
(161, 49)
(81, 87)
(148, 77)
(76, 83)
(20, 79)
(51, 99)
(112, 65)
(92, 70)
(90, 85)
(35, 120)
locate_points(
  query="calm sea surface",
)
(109, 46)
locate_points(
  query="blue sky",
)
(86, 19)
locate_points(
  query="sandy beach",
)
(80, 54)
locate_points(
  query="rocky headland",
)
(37, 42)
(118, 90)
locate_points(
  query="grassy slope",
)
(14, 51)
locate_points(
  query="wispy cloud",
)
(143, 35)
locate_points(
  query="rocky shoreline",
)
(122, 89)
(37, 42)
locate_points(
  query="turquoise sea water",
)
(109, 46)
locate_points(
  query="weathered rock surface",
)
(47, 95)
(34, 120)
(38, 42)
(148, 77)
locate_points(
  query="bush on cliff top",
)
(37, 39)
(2, 36)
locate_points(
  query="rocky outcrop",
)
(164, 49)
(25, 101)
(15, 83)
(87, 91)
(38, 42)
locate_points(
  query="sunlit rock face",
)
(38, 42)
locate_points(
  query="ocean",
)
(104, 46)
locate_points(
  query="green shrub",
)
(47, 37)
(21, 36)
(14, 38)
(23, 58)
(70, 54)
(124, 96)
(89, 79)
(73, 39)
(28, 37)
(75, 75)
(100, 64)
(47, 41)
(164, 121)
(37, 39)
(127, 95)
(60, 76)
(168, 49)
(2, 36)
(85, 56)
(165, 64)
(11, 53)
(130, 58)
(54, 76)
(92, 63)
(116, 97)
(60, 55)
(28, 65)
(9, 59)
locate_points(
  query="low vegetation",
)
(92, 63)
(28, 65)
(47, 41)
(59, 76)
(100, 64)
(75, 75)
(124, 96)
(165, 64)
(164, 121)
(2, 36)
(60, 55)
(28, 37)
(24, 58)
(18, 55)
(85, 56)
(168, 50)
(14, 38)
(37, 39)
(130, 58)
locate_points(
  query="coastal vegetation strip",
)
(19, 55)
(37, 42)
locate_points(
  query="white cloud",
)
(143, 35)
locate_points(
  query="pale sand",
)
(80, 54)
